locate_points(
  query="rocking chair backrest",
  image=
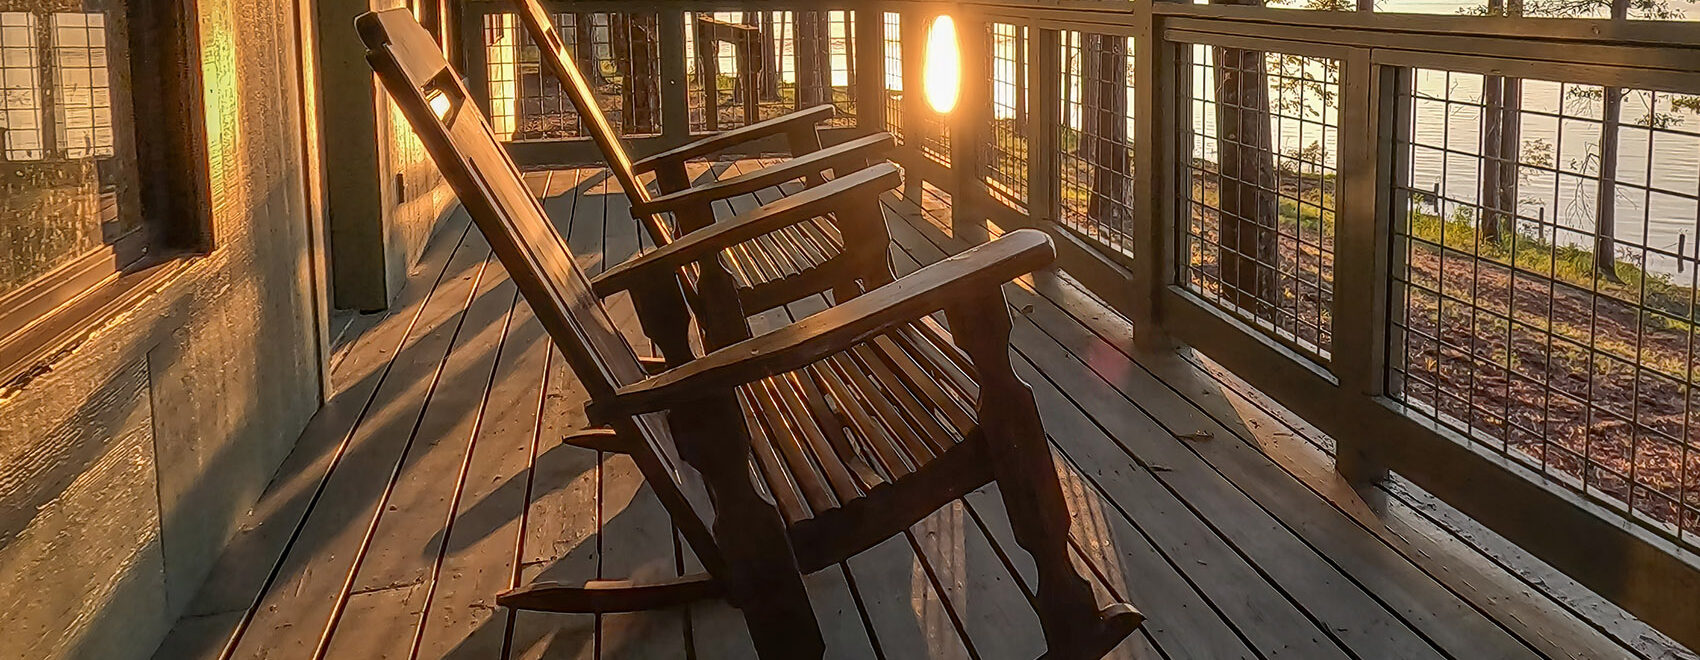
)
(553, 50)
(432, 97)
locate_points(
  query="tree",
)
(1104, 128)
(814, 64)
(769, 56)
(1248, 249)
(643, 93)
(1506, 99)
(1605, 197)
(1502, 106)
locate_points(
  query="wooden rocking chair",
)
(858, 421)
(793, 262)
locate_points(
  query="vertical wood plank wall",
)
(125, 461)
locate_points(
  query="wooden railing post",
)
(474, 56)
(1043, 118)
(1360, 291)
(969, 127)
(1154, 153)
(870, 67)
(913, 27)
(675, 104)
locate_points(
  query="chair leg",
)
(760, 572)
(1038, 513)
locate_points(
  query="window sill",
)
(26, 352)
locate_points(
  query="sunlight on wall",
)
(942, 71)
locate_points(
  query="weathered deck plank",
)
(292, 615)
(1234, 543)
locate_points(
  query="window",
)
(72, 187)
(20, 88)
(68, 172)
(82, 85)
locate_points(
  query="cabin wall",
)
(127, 460)
(385, 195)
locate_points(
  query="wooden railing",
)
(1389, 223)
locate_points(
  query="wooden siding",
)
(128, 459)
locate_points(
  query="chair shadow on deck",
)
(575, 635)
(371, 423)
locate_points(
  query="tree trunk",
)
(620, 33)
(584, 40)
(808, 48)
(1248, 251)
(1104, 132)
(1502, 101)
(1605, 195)
(769, 58)
(641, 76)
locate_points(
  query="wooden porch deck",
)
(435, 479)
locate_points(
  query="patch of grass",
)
(1571, 264)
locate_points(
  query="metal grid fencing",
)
(1256, 179)
(618, 53)
(935, 135)
(1003, 154)
(1094, 138)
(744, 67)
(1545, 279)
(892, 46)
(501, 34)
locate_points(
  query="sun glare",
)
(943, 65)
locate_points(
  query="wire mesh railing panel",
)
(617, 52)
(1256, 180)
(935, 135)
(1094, 138)
(501, 35)
(1004, 153)
(748, 66)
(1545, 278)
(892, 45)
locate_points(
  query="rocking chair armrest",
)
(709, 241)
(849, 154)
(734, 137)
(836, 329)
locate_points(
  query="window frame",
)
(41, 318)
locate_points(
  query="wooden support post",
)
(968, 128)
(913, 28)
(1360, 272)
(675, 100)
(1041, 127)
(870, 70)
(1155, 230)
(476, 56)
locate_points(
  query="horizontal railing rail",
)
(1463, 246)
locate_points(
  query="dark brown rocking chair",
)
(858, 421)
(806, 258)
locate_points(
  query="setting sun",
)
(942, 70)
